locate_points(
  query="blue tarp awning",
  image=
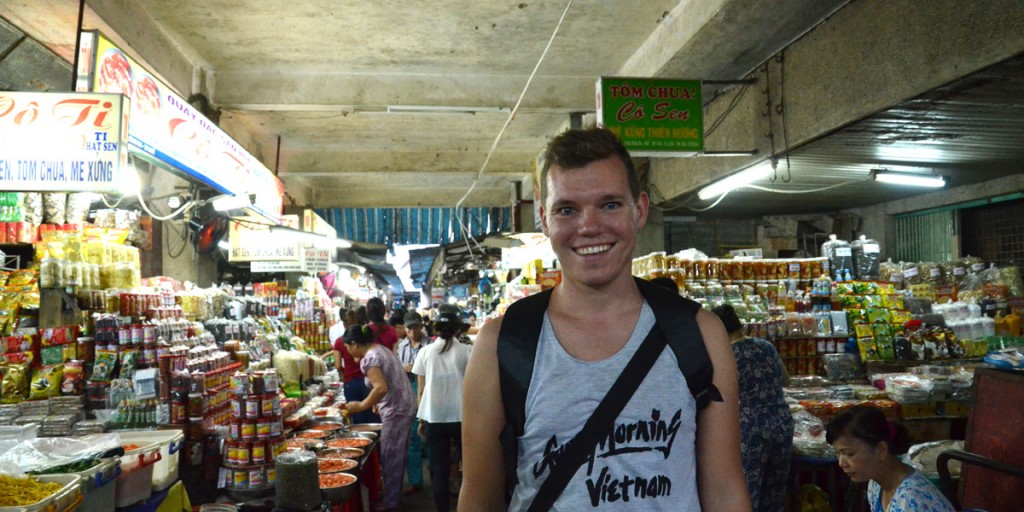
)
(415, 226)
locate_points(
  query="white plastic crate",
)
(165, 471)
(19, 432)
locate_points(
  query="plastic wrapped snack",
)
(77, 209)
(972, 264)
(46, 382)
(1012, 278)
(890, 272)
(839, 254)
(33, 208)
(55, 208)
(14, 386)
(866, 254)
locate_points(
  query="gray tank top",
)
(646, 463)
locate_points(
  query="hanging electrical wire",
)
(808, 191)
(501, 132)
(720, 198)
(732, 104)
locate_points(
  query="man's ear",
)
(643, 207)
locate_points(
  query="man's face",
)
(592, 221)
(415, 333)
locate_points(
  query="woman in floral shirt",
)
(766, 425)
(868, 447)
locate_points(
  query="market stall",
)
(851, 329)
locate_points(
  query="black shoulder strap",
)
(677, 317)
(517, 350)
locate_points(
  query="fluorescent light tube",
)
(740, 179)
(914, 180)
(446, 109)
(225, 203)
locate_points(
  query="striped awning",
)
(420, 226)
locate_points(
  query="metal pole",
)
(78, 44)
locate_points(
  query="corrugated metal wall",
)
(405, 226)
(927, 237)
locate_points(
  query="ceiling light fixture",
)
(445, 109)
(902, 178)
(313, 238)
(738, 180)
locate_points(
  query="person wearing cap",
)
(408, 347)
(440, 369)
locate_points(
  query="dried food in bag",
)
(46, 382)
(1012, 278)
(912, 274)
(866, 257)
(55, 208)
(972, 264)
(33, 208)
(78, 204)
(839, 254)
(890, 272)
(25, 277)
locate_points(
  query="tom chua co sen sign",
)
(653, 116)
(66, 142)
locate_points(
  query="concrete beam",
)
(28, 65)
(312, 163)
(261, 89)
(138, 29)
(869, 56)
(384, 197)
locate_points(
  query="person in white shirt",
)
(407, 349)
(440, 369)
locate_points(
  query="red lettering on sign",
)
(78, 111)
(661, 111)
(629, 111)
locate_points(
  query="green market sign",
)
(653, 116)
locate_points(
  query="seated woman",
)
(868, 447)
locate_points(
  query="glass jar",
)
(94, 275)
(49, 271)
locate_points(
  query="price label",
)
(843, 252)
(872, 249)
(794, 267)
(935, 272)
(959, 271)
(910, 272)
(977, 267)
(896, 278)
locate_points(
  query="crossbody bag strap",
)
(600, 422)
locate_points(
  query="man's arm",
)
(483, 417)
(719, 465)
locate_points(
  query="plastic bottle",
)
(1013, 324)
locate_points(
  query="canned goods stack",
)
(255, 432)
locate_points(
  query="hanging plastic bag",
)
(866, 253)
(840, 257)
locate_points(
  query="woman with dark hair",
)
(440, 369)
(352, 377)
(868, 446)
(384, 333)
(766, 425)
(391, 395)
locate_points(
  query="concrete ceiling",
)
(315, 78)
(306, 85)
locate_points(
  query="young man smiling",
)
(671, 455)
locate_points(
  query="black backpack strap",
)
(678, 319)
(517, 350)
(601, 422)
